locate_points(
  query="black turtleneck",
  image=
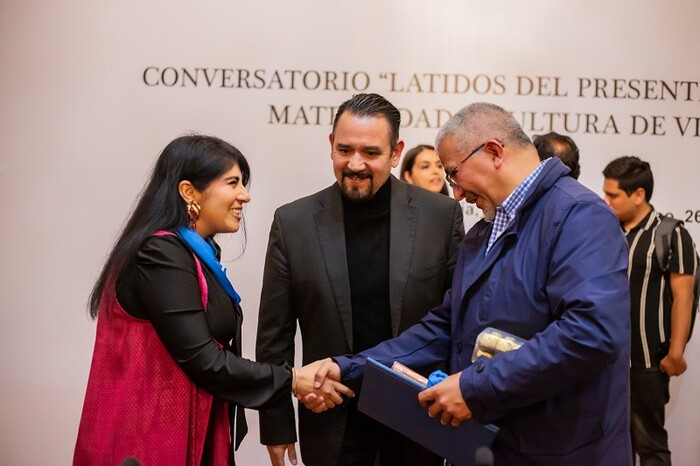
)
(367, 245)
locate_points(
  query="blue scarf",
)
(206, 251)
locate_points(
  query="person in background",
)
(167, 383)
(422, 167)
(352, 265)
(547, 264)
(562, 147)
(661, 303)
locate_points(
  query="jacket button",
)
(480, 367)
(458, 348)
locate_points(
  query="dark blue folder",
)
(392, 399)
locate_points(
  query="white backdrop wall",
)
(92, 91)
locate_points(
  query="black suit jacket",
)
(306, 281)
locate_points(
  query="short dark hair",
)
(560, 146)
(372, 105)
(631, 173)
(409, 159)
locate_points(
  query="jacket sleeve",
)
(277, 323)
(588, 295)
(455, 241)
(425, 344)
(166, 288)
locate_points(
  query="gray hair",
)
(480, 121)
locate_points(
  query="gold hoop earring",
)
(193, 213)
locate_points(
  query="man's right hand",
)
(326, 388)
(276, 453)
(325, 395)
(329, 369)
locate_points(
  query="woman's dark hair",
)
(410, 159)
(198, 159)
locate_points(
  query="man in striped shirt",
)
(661, 304)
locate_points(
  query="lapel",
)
(403, 223)
(475, 265)
(331, 234)
(472, 258)
(475, 262)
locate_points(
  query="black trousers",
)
(649, 395)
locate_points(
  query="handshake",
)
(317, 385)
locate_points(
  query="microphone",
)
(129, 461)
(483, 457)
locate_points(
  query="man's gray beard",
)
(489, 212)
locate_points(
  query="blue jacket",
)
(556, 277)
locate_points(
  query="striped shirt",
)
(650, 289)
(505, 213)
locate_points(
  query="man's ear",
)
(495, 150)
(640, 196)
(396, 155)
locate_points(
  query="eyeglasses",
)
(450, 177)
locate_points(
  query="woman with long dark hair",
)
(167, 383)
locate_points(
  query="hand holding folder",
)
(392, 399)
(445, 400)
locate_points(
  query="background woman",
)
(167, 380)
(422, 167)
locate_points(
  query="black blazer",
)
(306, 281)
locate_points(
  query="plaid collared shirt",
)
(505, 213)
